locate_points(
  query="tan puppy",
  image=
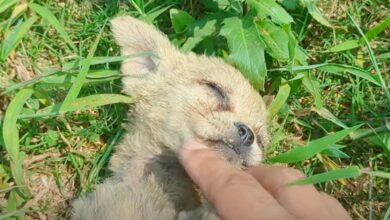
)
(179, 96)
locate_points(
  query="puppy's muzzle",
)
(243, 139)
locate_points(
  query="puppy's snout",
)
(245, 134)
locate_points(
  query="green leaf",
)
(346, 45)
(377, 29)
(265, 8)
(75, 89)
(334, 151)
(152, 15)
(50, 138)
(47, 15)
(14, 38)
(81, 104)
(216, 4)
(246, 49)
(315, 12)
(348, 172)
(380, 174)
(11, 138)
(312, 148)
(12, 203)
(103, 159)
(280, 99)
(339, 68)
(199, 30)
(335, 68)
(325, 113)
(280, 45)
(313, 87)
(371, 34)
(372, 57)
(71, 66)
(387, 214)
(5, 4)
(180, 19)
(384, 56)
(275, 38)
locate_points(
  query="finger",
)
(234, 193)
(335, 207)
(303, 201)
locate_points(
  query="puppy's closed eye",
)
(222, 96)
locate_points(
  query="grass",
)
(61, 108)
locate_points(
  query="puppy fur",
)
(178, 97)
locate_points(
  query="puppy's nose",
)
(245, 133)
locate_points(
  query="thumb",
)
(224, 185)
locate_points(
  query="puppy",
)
(179, 96)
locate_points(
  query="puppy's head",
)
(181, 96)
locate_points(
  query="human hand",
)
(260, 192)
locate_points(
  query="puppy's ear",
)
(135, 36)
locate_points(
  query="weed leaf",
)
(265, 8)
(180, 19)
(199, 30)
(315, 12)
(246, 49)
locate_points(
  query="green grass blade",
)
(339, 68)
(280, 99)
(313, 86)
(377, 29)
(75, 89)
(380, 174)
(71, 66)
(348, 172)
(14, 38)
(151, 16)
(5, 4)
(11, 137)
(387, 214)
(47, 15)
(335, 151)
(352, 44)
(312, 148)
(83, 103)
(325, 113)
(384, 56)
(104, 158)
(346, 45)
(372, 57)
(335, 68)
